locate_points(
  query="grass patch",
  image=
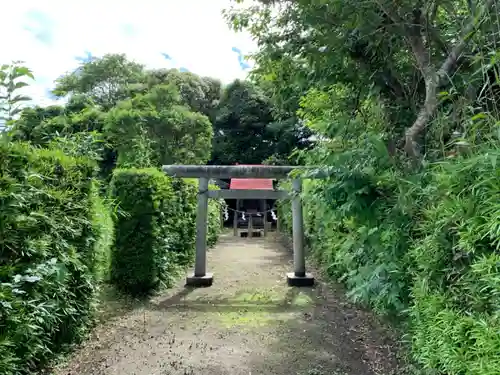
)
(257, 308)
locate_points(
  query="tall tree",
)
(405, 52)
(201, 94)
(248, 129)
(156, 127)
(103, 79)
(240, 130)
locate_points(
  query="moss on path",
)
(248, 322)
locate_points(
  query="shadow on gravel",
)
(332, 338)
(114, 305)
(175, 299)
(250, 303)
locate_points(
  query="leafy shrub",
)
(421, 246)
(455, 316)
(103, 221)
(48, 260)
(153, 128)
(214, 212)
(214, 219)
(155, 233)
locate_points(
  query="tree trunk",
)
(434, 79)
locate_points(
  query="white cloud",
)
(192, 32)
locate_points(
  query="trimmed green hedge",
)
(423, 248)
(51, 241)
(214, 212)
(155, 229)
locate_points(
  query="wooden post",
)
(250, 226)
(265, 226)
(221, 218)
(235, 219)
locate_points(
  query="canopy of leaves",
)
(171, 132)
(404, 52)
(201, 94)
(102, 79)
(246, 131)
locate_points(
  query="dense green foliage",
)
(58, 243)
(155, 232)
(215, 222)
(148, 243)
(454, 314)
(139, 117)
(402, 99)
(422, 248)
(146, 248)
(247, 132)
(158, 127)
(54, 234)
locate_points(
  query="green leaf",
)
(15, 111)
(479, 116)
(21, 71)
(19, 98)
(19, 85)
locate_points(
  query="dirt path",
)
(248, 322)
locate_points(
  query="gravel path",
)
(248, 322)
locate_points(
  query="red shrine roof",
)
(251, 183)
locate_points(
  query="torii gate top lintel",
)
(237, 171)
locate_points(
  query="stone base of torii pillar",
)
(293, 280)
(200, 281)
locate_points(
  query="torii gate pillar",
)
(299, 277)
(200, 276)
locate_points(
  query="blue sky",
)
(53, 36)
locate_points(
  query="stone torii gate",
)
(205, 172)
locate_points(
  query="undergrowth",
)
(155, 233)
(61, 242)
(420, 246)
(51, 243)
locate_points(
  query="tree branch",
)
(434, 79)
(434, 36)
(416, 40)
(393, 16)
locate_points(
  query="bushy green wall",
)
(52, 238)
(56, 237)
(155, 228)
(422, 248)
